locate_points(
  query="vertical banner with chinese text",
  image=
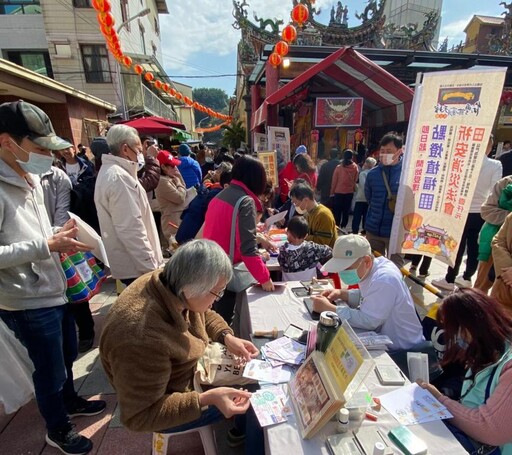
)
(279, 140)
(269, 160)
(452, 117)
(259, 142)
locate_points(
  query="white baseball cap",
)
(347, 250)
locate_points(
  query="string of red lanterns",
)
(106, 23)
(299, 15)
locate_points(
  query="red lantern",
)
(138, 69)
(106, 19)
(289, 34)
(172, 92)
(102, 6)
(275, 59)
(195, 105)
(107, 31)
(281, 48)
(188, 101)
(158, 84)
(165, 87)
(300, 14)
(149, 76)
(127, 61)
(179, 96)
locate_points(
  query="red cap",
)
(164, 157)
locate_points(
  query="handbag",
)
(391, 196)
(472, 446)
(242, 278)
(84, 276)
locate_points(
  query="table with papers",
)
(264, 311)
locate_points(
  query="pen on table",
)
(370, 416)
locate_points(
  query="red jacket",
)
(217, 227)
(289, 173)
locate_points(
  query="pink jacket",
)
(217, 227)
(344, 179)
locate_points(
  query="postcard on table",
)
(270, 405)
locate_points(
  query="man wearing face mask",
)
(385, 302)
(33, 300)
(126, 221)
(380, 190)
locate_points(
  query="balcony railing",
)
(155, 106)
(140, 100)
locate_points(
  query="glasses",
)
(219, 295)
(136, 151)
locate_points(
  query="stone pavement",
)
(22, 433)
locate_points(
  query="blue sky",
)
(198, 38)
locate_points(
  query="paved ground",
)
(22, 433)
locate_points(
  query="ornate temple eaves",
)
(371, 33)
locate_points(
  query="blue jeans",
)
(211, 415)
(246, 423)
(49, 335)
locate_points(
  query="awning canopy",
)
(155, 125)
(147, 126)
(346, 72)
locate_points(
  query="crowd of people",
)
(202, 212)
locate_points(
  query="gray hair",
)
(370, 161)
(196, 267)
(119, 135)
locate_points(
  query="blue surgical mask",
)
(36, 164)
(349, 277)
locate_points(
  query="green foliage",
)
(214, 98)
(234, 135)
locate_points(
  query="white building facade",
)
(61, 39)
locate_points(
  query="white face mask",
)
(300, 210)
(140, 161)
(36, 164)
(387, 158)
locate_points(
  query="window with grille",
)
(96, 65)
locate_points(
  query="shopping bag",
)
(218, 367)
(84, 276)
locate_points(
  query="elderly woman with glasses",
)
(155, 334)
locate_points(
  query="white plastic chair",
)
(161, 440)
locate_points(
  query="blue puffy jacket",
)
(379, 218)
(190, 171)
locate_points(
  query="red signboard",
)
(335, 112)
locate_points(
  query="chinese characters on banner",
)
(452, 118)
(269, 160)
(279, 140)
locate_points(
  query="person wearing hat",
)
(189, 168)
(170, 193)
(32, 283)
(386, 304)
(127, 225)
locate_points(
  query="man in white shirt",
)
(490, 173)
(386, 304)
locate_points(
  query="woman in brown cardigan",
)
(155, 334)
(502, 257)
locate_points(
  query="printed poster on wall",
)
(336, 112)
(452, 118)
(269, 160)
(279, 140)
(260, 142)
